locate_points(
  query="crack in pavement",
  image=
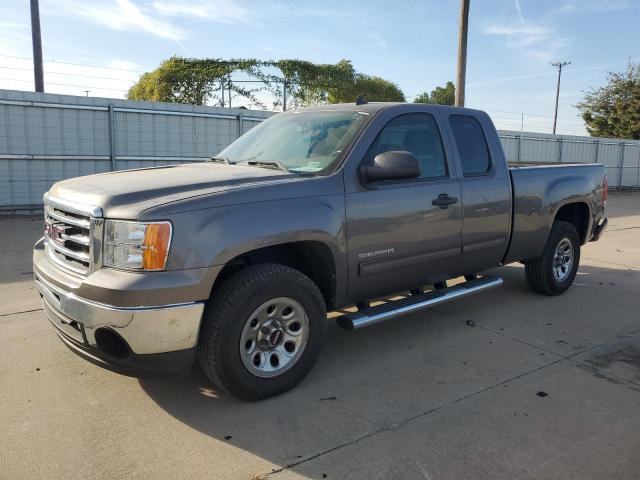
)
(346, 444)
(583, 364)
(396, 425)
(609, 230)
(18, 313)
(561, 358)
(630, 267)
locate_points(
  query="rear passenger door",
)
(486, 189)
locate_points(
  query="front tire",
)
(262, 331)
(553, 272)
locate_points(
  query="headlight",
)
(136, 246)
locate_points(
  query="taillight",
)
(605, 190)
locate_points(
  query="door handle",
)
(444, 200)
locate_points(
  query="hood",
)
(126, 193)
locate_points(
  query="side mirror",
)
(394, 165)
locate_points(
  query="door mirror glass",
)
(393, 165)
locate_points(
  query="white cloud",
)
(14, 25)
(519, 10)
(548, 72)
(536, 41)
(376, 39)
(576, 7)
(521, 34)
(118, 64)
(123, 15)
(222, 11)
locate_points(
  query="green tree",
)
(614, 110)
(191, 80)
(198, 81)
(312, 84)
(422, 98)
(371, 88)
(439, 96)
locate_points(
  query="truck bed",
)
(539, 191)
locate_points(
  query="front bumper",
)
(599, 229)
(152, 339)
(153, 365)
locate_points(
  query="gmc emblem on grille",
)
(54, 231)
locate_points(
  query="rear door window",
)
(472, 145)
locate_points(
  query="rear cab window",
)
(472, 145)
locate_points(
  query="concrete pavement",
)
(540, 388)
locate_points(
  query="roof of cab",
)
(363, 107)
(374, 107)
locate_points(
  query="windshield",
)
(305, 142)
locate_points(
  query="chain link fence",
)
(45, 138)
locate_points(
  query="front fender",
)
(217, 235)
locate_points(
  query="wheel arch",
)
(313, 258)
(578, 214)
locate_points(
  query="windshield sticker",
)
(308, 168)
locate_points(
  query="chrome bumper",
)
(599, 230)
(147, 330)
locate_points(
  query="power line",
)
(66, 84)
(531, 114)
(77, 64)
(72, 74)
(114, 78)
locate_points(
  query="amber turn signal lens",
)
(156, 246)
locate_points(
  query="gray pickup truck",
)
(234, 263)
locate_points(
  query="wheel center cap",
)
(276, 337)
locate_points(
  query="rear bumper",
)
(599, 230)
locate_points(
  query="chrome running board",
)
(372, 315)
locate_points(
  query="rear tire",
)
(553, 272)
(262, 331)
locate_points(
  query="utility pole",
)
(559, 66)
(284, 95)
(36, 40)
(462, 52)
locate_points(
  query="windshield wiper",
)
(268, 164)
(220, 159)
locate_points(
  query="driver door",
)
(397, 237)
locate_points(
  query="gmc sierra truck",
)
(234, 263)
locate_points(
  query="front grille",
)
(69, 235)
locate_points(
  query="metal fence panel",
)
(621, 158)
(45, 138)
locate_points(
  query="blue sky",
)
(102, 46)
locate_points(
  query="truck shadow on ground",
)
(367, 380)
